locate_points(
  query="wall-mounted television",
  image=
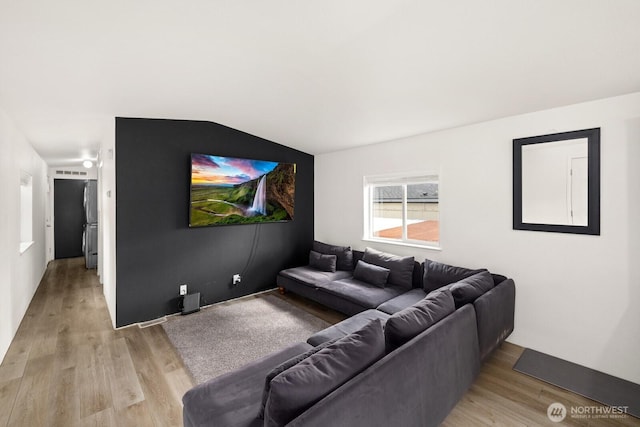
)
(230, 190)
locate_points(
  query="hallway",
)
(67, 366)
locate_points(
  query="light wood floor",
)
(68, 367)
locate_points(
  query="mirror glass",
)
(556, 182)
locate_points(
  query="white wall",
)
(107, 218)
(20, 274)
(577, 295)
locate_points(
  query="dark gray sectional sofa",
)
(411, 348)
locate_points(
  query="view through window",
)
(403, 210)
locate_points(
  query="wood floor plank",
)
(31, 405)
(125, 387)
(15, 360)
(159, 343)
(106, 417)
(66, 348)
(94, 390)
(158, 394)
(63, 398)
(45, 339)
(180, 382)
(8, 393)
(135, 415)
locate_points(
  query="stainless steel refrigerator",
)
(90, 231)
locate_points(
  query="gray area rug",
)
(225, 337)
(595, 385)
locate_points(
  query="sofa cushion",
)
(467, 290)
(304, 384)
(322, 262)
(406, 324)
(402, 301)
(372, 274)
(436, 274)
(400, 268)
(343, 253)
(347, 326)
(359, 292)
(283, 367)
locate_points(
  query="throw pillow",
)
(410, 322)
(436, 274)
(400, 268)
(283, 367)
(322, 262)
(299, 387)
(344, 254)
(467, 290)
(372, 274)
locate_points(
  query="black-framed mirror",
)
(556, 182)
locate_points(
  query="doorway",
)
(578, 190)
(68, 217)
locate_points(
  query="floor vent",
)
(153, 322)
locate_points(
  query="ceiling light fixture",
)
(87, 164)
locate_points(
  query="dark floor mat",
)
(595, 385)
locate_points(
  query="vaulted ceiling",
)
(317, 76)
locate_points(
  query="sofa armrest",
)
(495, 313)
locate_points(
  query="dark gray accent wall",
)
(155, 248)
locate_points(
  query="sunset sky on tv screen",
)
(217, 170)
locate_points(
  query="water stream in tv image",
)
(227, 190)
(259, 206)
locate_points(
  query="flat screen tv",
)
(230, 190)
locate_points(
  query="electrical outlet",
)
(183, 289)
(237, 279)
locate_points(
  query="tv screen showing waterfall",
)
(229, 190)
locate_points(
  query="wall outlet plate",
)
(183, 289)
(237, 279)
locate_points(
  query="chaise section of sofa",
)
(416, 385)
(234, 399)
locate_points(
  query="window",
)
(26, 211)
(403, 210)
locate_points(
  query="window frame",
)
(26, 211)
(373, 181)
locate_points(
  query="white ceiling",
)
(318, 76)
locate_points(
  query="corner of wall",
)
(107, 217)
